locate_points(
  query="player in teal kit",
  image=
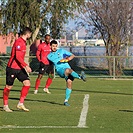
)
(60, 58)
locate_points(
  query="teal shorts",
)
(61, 72)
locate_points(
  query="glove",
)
(64, 60)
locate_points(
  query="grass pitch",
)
(110, 108)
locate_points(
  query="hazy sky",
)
(71, 25)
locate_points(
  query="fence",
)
(94, 66)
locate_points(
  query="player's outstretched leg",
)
(83, 77)
(75, 75)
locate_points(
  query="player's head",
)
(47, 38)
(53, 45)
(26, 32)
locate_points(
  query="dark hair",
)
(46, 35)
(53, 42)
(26, 30)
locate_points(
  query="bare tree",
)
(112, 20)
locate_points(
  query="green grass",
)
(110, 107)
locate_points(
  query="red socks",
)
(48, 82)
(6, 92)
(37, 84)
(24, 93)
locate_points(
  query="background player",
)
(16, 68)
(45, 66)
(60, 58)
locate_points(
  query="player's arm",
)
(20, 59)
(49, 58)
(38, 53)
(69, 56)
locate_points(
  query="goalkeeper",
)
(60, 58)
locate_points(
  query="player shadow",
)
(50, 102)
(115, 93)
(130, 111)
(12, 90)
(1, 108)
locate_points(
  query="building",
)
(6, 42)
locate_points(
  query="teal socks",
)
(75, 75)
(68, 92)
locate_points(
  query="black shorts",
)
(49, 69)
(70, 77)
(12, 74)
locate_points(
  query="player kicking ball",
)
(60, 59)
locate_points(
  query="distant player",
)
(17, 68)
(60, 59)
(45, 66)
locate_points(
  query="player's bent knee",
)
(68, 71)
(26, 83)
(40, 76)
(51, 76)
(9, 87)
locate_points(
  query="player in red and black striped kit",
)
(45, 66)
(17, 68)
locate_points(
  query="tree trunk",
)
(34, 35)
(33, 38)
(27, 55)
(118, 62)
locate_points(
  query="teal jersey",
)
(55, 57)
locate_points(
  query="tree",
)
(38, 14)
(27, 13)
(112, 19)
(61, 11)
(0, 20)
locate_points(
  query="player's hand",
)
(28, 69)
(64, 60)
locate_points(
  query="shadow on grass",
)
(116, 93)
(126, 111)
(12, 90)
(50, 102)
(90, 91)
(86, 91)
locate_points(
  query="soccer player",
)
(45, 65)
(17, 68)
(60, 58)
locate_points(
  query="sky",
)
(71, 25)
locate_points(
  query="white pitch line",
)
(81, 124)
(83, 115)
(31, 127)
